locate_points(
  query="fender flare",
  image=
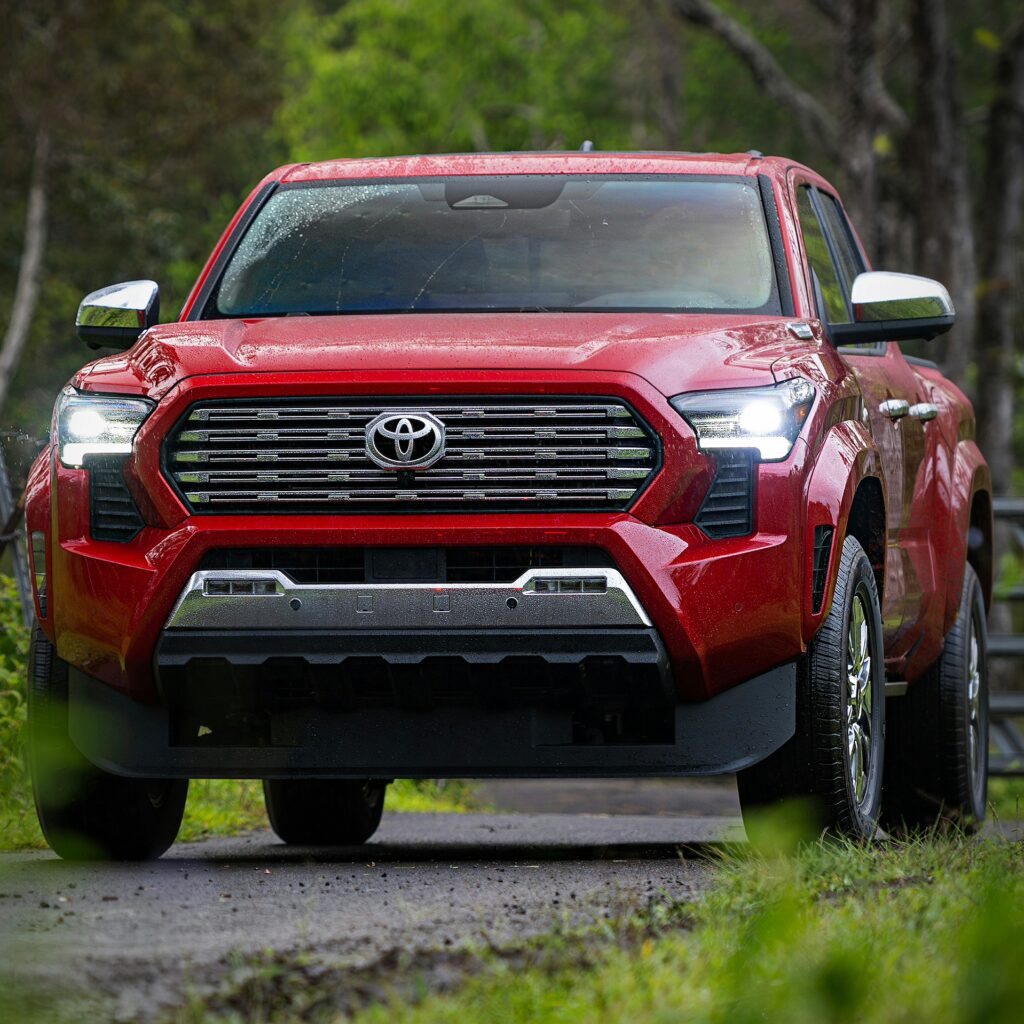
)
(38, 519)
(847, 457)
(969, 476)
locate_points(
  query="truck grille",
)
(524, 454)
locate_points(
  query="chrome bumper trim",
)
(540, 598)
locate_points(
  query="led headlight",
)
(97, 425)
(768, 419)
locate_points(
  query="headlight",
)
(97, 425)
(768, 419)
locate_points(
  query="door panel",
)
(908, 478)
(907, 465)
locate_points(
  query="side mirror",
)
(115, 316)
(895, 307)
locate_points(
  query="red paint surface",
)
(726, 609)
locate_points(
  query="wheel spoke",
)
(859, 668)
(865, 761)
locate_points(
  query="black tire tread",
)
(86, 813)
(812, 765)
(324, 812)
(927, 783)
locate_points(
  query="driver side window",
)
(835, 260)
(820, 259)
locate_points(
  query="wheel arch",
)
(970, 533)
(980, 542)
(846, 494)
(866, 522)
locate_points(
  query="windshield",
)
(504, 243)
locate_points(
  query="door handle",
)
(895, 408)
(924, 411)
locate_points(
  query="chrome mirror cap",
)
(895, 307)
(118, 314)
(881, 295)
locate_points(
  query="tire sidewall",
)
(973, 622)
(829, 660)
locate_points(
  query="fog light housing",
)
(567, 585)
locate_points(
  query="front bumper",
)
(729, 732)
(725, 610)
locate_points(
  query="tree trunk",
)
(859, 69)
(945, 242)
(666, 42)
(30, 272)
(1000, 223)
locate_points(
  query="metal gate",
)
(1006, 706)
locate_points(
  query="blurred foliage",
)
(159, 117)
(17, 816)
(162, 116)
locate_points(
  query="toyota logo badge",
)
(405, 440)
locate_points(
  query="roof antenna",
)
(755, 153)
(587, 147)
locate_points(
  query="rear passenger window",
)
(850, 262)
(820, 259)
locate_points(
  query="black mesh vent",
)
(503, 565)
(428, 565)
(819, 579)
(113, 514)
(728, 509)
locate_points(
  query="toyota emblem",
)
(405, 440)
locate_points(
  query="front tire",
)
(324, 812)
(835, 759)
(86, 813)
(937, 750)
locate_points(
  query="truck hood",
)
(674, 353)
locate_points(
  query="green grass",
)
(893, 933)
(219, 807)
(1006, 799)
(932, 931)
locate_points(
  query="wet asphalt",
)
(130, 942)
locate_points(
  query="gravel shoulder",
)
(130, 941)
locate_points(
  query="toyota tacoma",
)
(559, 464)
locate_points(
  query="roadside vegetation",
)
(891, 933)
(215, 806)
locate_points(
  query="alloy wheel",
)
(974, 708)
(859, 685)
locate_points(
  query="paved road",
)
(137, 937)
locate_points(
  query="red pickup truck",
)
(512, 464)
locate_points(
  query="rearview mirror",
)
(895, 307)
(116, 315)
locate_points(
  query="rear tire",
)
(324, 812)
(86, 813)
(937, 748)
(834, 760)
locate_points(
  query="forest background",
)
(130, 130)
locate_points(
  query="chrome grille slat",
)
(303, 476)
(310, 456)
